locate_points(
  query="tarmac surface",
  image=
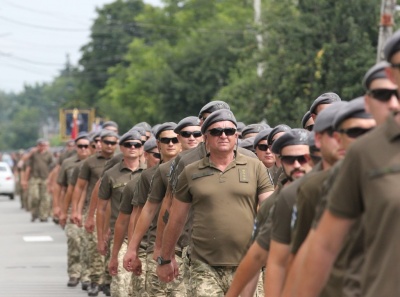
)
(33, 256)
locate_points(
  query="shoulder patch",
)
(243, 175)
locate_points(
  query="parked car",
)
(7, 180)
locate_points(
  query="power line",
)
(24, 69)
(51, 14)
(28, 61)
(43, 27)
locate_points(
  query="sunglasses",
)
(155, 155)
(309, 127)
(354, 132)
(187, 134)
(219, 131)
(97, 140)
(289, 160)
(132, 144)
(81, 146)
(263, 147)
(93, 146)
(383, 95)
(167, 140)
(106, 142)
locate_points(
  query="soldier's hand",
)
(89, 224)
(165, 272)
(62, 219)
(107, 235)
(175, 266)
(78, 220)
(102, 247)
(113, 266)
(128, 259)
(56, 212)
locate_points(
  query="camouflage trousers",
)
(73, 250)
(25, 203)
(260, 285)
(155, 287)
(121, 283)
(210, 281)
(97, 263)
(40, 199)
(138, 283)
(84, 256)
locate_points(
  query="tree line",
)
(156, 64)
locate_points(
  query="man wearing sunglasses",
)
(128, 210)
(148, 211)
(353, 119)
(112, 185)
(216, 187)
(381, 98)
(366, 188)
(307, 122)
(177, 166)
(264, 153)
(89, 174)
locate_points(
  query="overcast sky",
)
(36, 36)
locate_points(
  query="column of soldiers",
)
(211, 207)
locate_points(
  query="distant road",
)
(33, 257)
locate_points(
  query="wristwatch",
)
(161, 261)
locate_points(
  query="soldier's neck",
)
(132, 163)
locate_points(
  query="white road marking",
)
(37, 238)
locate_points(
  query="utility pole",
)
(259, 37)
(388, 9)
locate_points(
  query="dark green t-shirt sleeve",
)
(126, 206)
(157, 189)
(281, 220)
(182, 189)
(105, 188)
(84, 173)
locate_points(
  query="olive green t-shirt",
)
(112, 162)
(75, 173)
(41, 164)
(91, 171)
(224, 207)
(66, 170)
(284, 214)
(308, 196)
(65, 155)
(113, 183)
(367, 185)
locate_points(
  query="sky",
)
(37, 35)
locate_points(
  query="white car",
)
(7, 180)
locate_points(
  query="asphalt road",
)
(33, 256)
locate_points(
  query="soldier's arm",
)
(249, 267)
(165, 208)
(100, 220)
(76, 196)
(324, 247)
(146, 216)
(121, 226)
(174, 227)
(93, 201)
(133, 220)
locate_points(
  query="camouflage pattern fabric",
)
(40, 202)
(73, 250)
(121, 283)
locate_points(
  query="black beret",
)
(155, 128)
(213, 106)
(375, 72)
(276, 130)
(324, 121)
(150, 144)
(130, 135)
(263, 135)
(107, 133)
(326, 98)
(186, 122)
(144, 125)
(392, 46)
(165, 127)
(240, 126)
(218, 116)
(305, 119)
(82, 135)
(253, 128)
(110, 124)
(292, 137)
(354, 109)
(139, 129)
(94, 135)
(247, 143)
